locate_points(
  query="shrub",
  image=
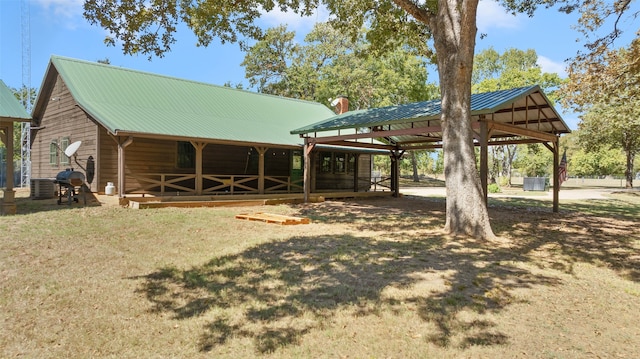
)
(494, 188)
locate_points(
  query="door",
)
(297, 170)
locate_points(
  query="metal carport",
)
(515, 116)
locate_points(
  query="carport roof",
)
(522, 114)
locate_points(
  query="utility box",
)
(535, 184)
(42, 188)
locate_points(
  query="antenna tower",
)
(25, 94)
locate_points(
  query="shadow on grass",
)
(26, 205)
(600, 232)
(276, 293)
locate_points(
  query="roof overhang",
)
(523, 115)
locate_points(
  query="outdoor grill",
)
(68, 181)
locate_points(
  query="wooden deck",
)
(140, 202)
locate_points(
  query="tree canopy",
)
(608, 92)
(328, 64)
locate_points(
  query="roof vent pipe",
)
(341, 104)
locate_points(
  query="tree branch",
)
(423, 14)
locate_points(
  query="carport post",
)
(395, 171)
(484, 158)
(556, 175)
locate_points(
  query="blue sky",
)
(58, 28)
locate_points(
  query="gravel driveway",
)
(565, 194)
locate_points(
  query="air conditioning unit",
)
(42, 188)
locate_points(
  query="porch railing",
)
(166, 183)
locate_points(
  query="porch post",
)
(199, 146)
(356, 171)
(308, 148)
(261, 152)
(121, 164)
(8, 201)
(394, 166)
(484, 159)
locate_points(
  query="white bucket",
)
(110, 189)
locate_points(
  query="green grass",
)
(370, 278)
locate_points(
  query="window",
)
(186, 155)
(340, 163)
(53, 153)
(64, 143)
(296, 160)
(325, 162)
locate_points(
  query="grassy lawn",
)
(371, 278)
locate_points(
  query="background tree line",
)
(328, 63)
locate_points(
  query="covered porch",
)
(180, 167)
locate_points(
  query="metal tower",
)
(25, 91)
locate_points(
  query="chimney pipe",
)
(343, 104)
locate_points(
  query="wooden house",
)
(10, 111)
(148, 133)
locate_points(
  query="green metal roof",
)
(484, 103)
(10, 107)
(130, 102)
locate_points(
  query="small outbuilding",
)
(11, 111)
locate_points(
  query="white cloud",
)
(493, 15)
(550, 66)
(65, 12)
(294, 21)
(64, 8)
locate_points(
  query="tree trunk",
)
(454, 31)
(629, 171)
(414, 164)
(511, 153)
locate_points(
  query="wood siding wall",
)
(63, 119)
(108, 162)
(364, 172)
